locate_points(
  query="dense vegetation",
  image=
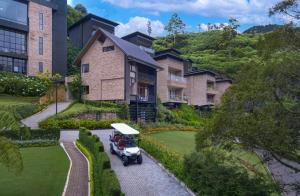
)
(262, 28)
(208, 50)
(103, 177)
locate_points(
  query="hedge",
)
(26, 133)
(53, 123)
(171, 160)
(36, 143)
(88, 155)
(104, 179)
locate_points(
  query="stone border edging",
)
(89, 188)
(169, 173)
(69, 172)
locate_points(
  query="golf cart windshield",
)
(130, 143)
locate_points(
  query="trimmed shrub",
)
(104, 179)
(53, 122)
(19, 84)
(36, 143)
(26, 133)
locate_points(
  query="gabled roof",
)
(137, 33)
(92, 16)
(132, 51)
(168, 51)
(171, 53)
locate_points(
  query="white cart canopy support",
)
(124, 129)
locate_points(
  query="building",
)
(82, 30)
(33, 36)
(171, 81)
(113, 69)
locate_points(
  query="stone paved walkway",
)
(33, 121)
(78, 179)
(147, 179)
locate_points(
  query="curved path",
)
(148, 179)
(33, 121)
(77, 183)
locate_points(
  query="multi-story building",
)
(33, 36)
(113, 69)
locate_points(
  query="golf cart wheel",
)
(112, 150)
(139, 159)
(125, 160)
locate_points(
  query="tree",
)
(80, 8)
(149, 27)
(262, 108)
(73, 51)
(175, 26)
(10, 155)
(287, 7)
(73, 15)
(229, 33)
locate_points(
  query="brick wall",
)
(33, 38)
(106, 72)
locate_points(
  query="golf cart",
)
(123, 143)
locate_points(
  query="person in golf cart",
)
(123, 143)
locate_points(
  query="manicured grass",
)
(45, 172)
(8, 99)
(182, 142)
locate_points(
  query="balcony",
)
(177, 81)
(142, 98)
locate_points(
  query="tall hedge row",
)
(105, 180)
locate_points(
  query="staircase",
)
(144, 112)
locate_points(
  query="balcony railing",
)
(143, 98)
(176, 98)
(177, 78)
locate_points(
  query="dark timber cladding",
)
(139, 39)
(81, 31)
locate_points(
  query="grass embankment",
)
(45, 172)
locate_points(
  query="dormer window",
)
(108, 48)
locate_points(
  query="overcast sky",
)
(132, 15)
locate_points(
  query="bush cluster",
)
(76, 124)
(105, 181)
(21, 85)
(21, 110)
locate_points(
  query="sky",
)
(133, 15)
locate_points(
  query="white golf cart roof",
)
(124, 129)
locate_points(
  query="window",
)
(210, 85)
(85, 90)
(12, 64)
(108, 48)
(13, 11)
(210, 98)
(85, 68)
(41, 46)
(132, 74)
(12, 41)
(41, 67)
(41, 21)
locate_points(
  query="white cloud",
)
(138, 23)
(246, 11)
(215, 26)
(70, 2)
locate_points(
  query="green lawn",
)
(45, 172)
(182, 142)
(8, 99)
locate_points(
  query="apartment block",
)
(33, 36)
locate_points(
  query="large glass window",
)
(13, 11)
(12, 41)
(12, 64)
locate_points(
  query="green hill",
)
(207, 50)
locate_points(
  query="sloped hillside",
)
(209, 50)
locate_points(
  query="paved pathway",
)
(136, 180)
(78, 178)
(33, 121)
(282, 174)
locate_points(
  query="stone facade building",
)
(33, 36)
